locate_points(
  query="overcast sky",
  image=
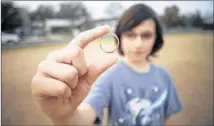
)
(97, 8)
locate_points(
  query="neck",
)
(140, 66)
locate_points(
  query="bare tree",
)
(197, 20)
(76, 12)
(171, 16)
(114, 9)
(10, 18)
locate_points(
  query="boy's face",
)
(138, 42)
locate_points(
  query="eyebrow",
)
(145, 31)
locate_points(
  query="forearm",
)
(67, 120)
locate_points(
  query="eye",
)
(130, 35)
(146, 35)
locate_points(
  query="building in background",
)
(66, 26)
(52, 26)
(208, 24)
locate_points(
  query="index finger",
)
(84, 38)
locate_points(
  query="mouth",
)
(138, 52)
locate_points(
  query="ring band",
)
(113, 49)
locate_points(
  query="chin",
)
(138, 58)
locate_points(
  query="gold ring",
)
(113, 49)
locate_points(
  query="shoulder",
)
(167, 77)
(163, 70)
(110, 74)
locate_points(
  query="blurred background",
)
(30, 30)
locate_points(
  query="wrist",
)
(65, 120)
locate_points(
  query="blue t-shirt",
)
(134, 98)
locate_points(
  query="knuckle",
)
(61, 90)
(34, 83)
(69, 74)
(83, 35)
(74, 71)
(53, 54)
(34, 79)
(82, 70)
(41, 65)
(77, 51)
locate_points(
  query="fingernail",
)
(104, 26)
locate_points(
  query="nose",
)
(138, 42)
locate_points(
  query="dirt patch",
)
(189, 57)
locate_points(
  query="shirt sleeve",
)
(173, 103)
(99, 95)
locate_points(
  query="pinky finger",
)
(43, 87)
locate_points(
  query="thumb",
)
(99, 67)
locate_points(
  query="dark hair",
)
(132, 17)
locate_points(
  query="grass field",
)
(188, 57)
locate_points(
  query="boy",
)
(135, 91)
